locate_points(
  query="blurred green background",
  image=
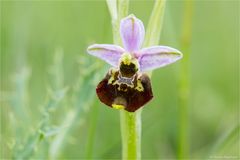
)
(49, 109)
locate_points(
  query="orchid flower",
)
(126, 85)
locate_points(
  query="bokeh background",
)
(49, 109)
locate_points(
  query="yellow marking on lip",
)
(111, 79)
(117, 106)
(139, 86)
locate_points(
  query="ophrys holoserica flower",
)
(126, 85)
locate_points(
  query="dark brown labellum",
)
(132, 93)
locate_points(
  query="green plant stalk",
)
(183, 142)
(131, 126)
(131, 122)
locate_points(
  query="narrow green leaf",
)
(155, 24)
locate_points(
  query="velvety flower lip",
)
(132, 33)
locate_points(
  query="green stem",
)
(183, 143)
(131, 134)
